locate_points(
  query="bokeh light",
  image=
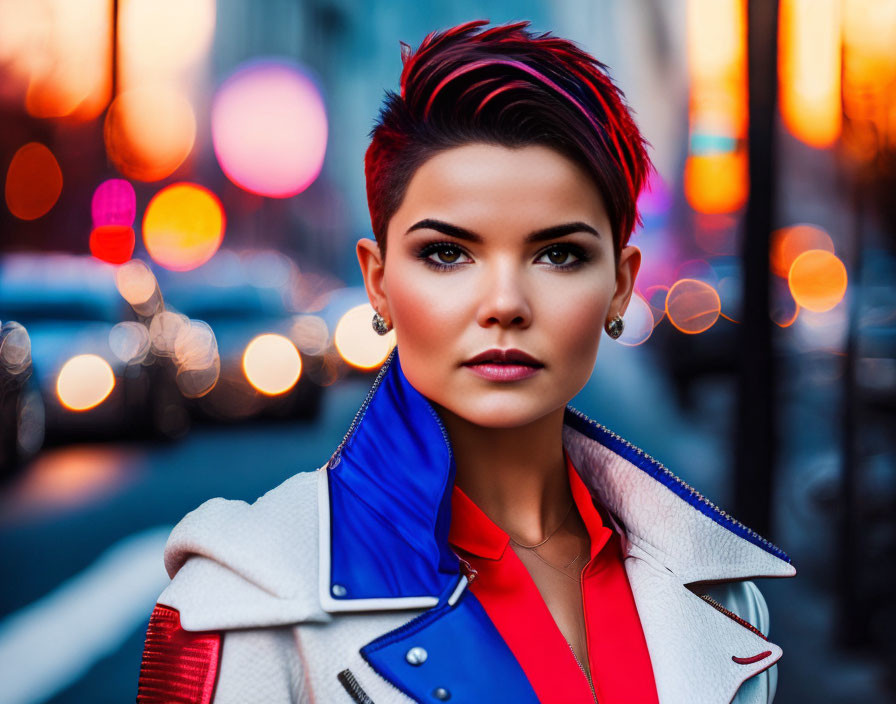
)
(114, 203)
(788, 243)
(164, 329)
(15, 348)
(33, 181)
(783, 310)
(84, 381)
(817, 280)
(356, 341)
(656, 299)
(197, 359)
(164, 36)
(272, 364)
(717, 233)
(129, 341)
(68, 61)
(149, 131)
(639, 322)
(269, 128)
(716, 183)
(112, 243)
(138, 286)
(699, 269)
(693, 306)
(183, 226)
(310, 334)
(809, 70)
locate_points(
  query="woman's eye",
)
(560, 256)
(446, 255)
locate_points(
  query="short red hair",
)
(508, 86)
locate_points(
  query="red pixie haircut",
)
(505, 85)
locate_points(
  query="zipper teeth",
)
(359, 415)
(729, 614)
(353, 687)
(587, 676)
(362, 410)
(691, 490)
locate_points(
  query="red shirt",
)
(617, 652)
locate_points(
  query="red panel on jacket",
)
(178, 666)
(617, 652)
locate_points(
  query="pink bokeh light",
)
(114, 203)
(269, 128)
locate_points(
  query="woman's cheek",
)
(422, 312)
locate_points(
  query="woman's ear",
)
(373, 269)
(626, 273)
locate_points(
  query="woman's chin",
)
(499, 413)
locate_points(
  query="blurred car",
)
(72, 312)
(256, 356)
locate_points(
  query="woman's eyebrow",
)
(548, 233)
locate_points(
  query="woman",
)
(473, 539)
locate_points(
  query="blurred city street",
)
(85, 525)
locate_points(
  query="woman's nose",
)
(504, 300)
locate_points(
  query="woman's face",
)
(494, 250)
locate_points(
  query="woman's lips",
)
(504, 365)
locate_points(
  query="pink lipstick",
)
(504, 365)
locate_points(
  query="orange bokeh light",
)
(272, 364)
(790, 242)
(69, 65)
(112, 243)
(356, 341)
(809, 70)
(149, 132)
(716, 183)
(717, 64)
(160, 38)
(817, 280)
(869, 71)
(33, 181)
(84, 381)
(183, 226)
(656, 299)
(693, 306)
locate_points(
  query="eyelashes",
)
(446, 256)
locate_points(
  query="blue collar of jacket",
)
(385, 509)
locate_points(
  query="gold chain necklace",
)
(535, 552)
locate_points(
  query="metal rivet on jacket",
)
(416, 655)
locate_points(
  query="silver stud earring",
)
(379, 324)
(615, 327)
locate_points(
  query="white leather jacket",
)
(339, 585)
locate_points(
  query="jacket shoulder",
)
(238, 565)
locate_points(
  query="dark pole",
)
(852, 612)
(755, 445)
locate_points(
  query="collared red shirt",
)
(617, 652)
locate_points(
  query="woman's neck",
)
(517, 476)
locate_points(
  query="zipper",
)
(722, 515)
(587, 676)
(732, 615)
(362, 410)
(353, 687)
(359, 415)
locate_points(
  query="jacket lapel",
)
(451, 652)
(673, 537)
